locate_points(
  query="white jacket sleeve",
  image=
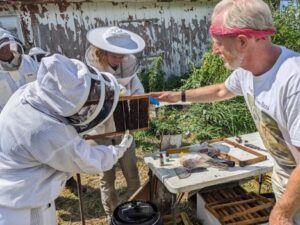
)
(136, 86)
(62, 148)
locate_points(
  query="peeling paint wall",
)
(176, 30)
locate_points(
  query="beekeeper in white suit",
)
(112, 50)
(40, 138)
(16, 68)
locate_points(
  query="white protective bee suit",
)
(19, 71)
(118, 41)
(40, 149)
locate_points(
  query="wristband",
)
(183, 96)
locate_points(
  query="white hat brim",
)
(37, 51)
(96, 38)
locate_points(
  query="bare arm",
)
(212, 93)
(289, 204)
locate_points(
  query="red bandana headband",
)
(223, 31)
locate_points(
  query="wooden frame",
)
(241, 163)
(138, 119)
(127, 119)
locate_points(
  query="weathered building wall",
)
(177, 30)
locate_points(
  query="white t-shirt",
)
(273, 99)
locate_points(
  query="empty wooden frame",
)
(259, 157)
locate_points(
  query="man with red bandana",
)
(268, 76)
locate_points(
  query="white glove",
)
(124, 145)
(124, 91)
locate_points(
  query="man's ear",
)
(243, 42)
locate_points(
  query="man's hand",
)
(167, 96)
(279, 217)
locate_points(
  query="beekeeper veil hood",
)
(11, 50)
(118, 41)
(67, 88)
(37, 54)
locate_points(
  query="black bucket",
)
(137, 212)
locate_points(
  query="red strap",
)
(223, 31)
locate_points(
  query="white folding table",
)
(210, 177)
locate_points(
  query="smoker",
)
(136, 212)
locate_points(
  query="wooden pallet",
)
(234, 206)
(258, 157)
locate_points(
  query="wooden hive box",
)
(234, 206)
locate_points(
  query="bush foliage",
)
(167, 121)
(154, 78)
(287, 23)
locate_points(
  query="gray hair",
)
(250, 14)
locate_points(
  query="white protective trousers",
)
(44, 215)
(129, 169)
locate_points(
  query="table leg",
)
(174, 207)
(260, 180)
(150, 175)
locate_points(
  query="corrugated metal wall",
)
(178, 29)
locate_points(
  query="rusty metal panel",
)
(176, 30)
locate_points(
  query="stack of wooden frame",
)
(234, 206)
